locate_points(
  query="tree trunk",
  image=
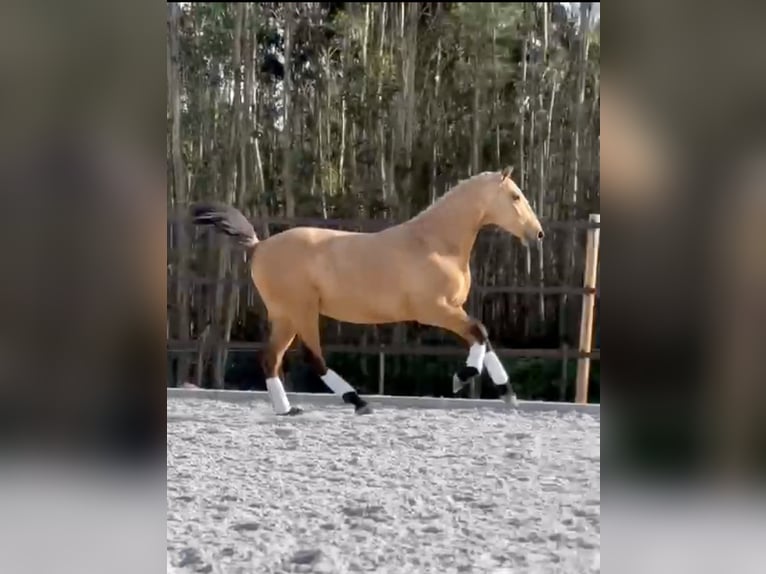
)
(435, 120)
(581, 71)
(522, 114)
(582, 61)
(476, 111)
(495, 91)
(528, 251)
(410, 65)
(379, 97)
(342, 152)
(287, 152)
(521, 263)
(255, 108)
(226, 301)
(244, 126)
(179, 186)
(544, 155)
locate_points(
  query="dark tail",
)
(225, 219)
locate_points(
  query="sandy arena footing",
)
(402, 491)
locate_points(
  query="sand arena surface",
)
(401, 491)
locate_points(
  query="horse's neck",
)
(450, 228)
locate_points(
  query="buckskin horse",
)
(414, 271)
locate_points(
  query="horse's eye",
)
(515, 196)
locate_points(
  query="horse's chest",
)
(458, 288)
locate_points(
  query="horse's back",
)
(355, 277)
(284, 266)
(336, 270)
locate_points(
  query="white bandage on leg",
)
(495, 368)
(277, 395)
(336, 383)
(476, 356)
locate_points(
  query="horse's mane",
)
(458, 188)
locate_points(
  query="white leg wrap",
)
(476, 356)
(495, 369)
(277, 395)
(336, 383)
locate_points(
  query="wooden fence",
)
(588, 290)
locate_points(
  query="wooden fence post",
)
(588, 302)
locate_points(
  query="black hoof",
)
(505, 392)
(292, 412)
(365, 409)
(463, 377)
(360, 405)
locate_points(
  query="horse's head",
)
(510, 210)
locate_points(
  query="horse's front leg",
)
(480, 353)
(477, 355)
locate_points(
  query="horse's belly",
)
(360, 310)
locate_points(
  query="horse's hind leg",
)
(282, 334)
(308, 332)
(480, 355)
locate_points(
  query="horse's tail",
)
(225, 219)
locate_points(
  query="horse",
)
(416, 271)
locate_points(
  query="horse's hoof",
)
(511, 400)
(506, 393)
(364, 409)
(464, 376)
(457, 384)
(292, 412)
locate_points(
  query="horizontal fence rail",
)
(181, 216)
(192, 346)
(481, 289)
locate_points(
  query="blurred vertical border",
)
(83, 292)
(684, 255)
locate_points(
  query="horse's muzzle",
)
(533, 240)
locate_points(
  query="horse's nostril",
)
(540, 234)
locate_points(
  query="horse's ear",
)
(507, 172)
